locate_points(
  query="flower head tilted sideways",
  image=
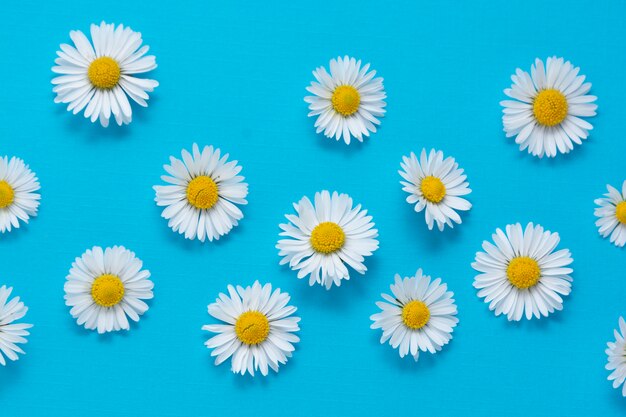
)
(19, 199)
(348, 101)
(611, 215)
(547, 108)
(435, 185)
(11, 333)
(616, 353)
(522, 274)
(203, 194)
(322, 240)
(100, 76)
(106, 287)
(257, 328)
(419, 316)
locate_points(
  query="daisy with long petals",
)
(616, 353)
(11, 334)
(611, 215)
(19, 199)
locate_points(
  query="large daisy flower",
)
(11, 334)
(105, 288)
(323, 240)
(348, 101)
(435, 185)
(100, 77)
(612, 215)
(522, 273)
(420, 315)
(548, 105)
(616, 352)
(18, 197)
(257, 330)
(205, 189)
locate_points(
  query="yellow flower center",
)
(107, 290)
(202, 192)
(433, 189)
(104, 72)
(550, 107)
(415, 314)
(252, 327)
(7, 195)
(523, 272)
(346, 100)
(327, 237)
(620, 210)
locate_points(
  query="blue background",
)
(233, 74)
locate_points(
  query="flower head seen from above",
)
(19, 199)
(203, 195)
(616, 353)
(436, 186)
(611, 215)
(420, 315)
(348, 101)
(106, 287)
(100, 76)
(257, 328)
(522, 274)
(11, 333)
(548, 107)
(322, 240)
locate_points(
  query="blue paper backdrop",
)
(233, 74)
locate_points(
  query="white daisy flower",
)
(100, 78)
(11, 334)
(419, 316)
(348, 101)
(205, 189)
(18, 197)
(522, 273)
(104, 288)
(616, 352)
(435, 185)
(323, 240)
(548, 105)
(257, 330)
(612, 215)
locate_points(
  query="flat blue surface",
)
(233, 74)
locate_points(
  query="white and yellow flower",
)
(616, 353)
(257, 328)
(548, 107)
(19, 199)
(348, 101)
(611, 215)
(100, 77)
(11, 334)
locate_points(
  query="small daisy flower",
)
(11, 334)
(323, 240)
(105, 288)
(348, 101)
(205, 189)
(257, 330)
(522, 273)
(616, 352)
(548, 107)
(435, 185)
(612, 215)
(420, 315)
(18, 197)
(100, 77)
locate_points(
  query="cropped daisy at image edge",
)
(611, 215)
(19, 199)
(616, 358)
(12, 334)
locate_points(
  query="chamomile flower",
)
(547, 108)
(19, 199)
(612, 215)
(616, 352)
(257, 328)
(106, 287)
(99, 76)
(322, 240)
(522, 274)
(11, 334)
(435, 185)
(348, 101)
(420, 315)
(204, 193)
